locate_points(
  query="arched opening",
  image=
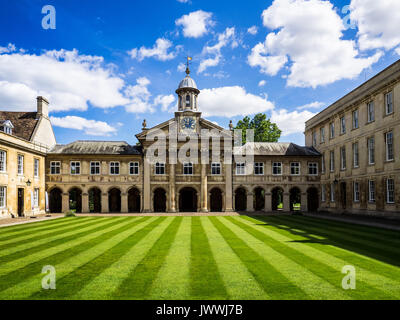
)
(188, 200)
(187, 100)
(95, 200)
(216, 200)
(114, 200)
(240, 199)
(295, 199)
(75, 200)
(160, 200)
(277, 199)
(312, 199)
(55, 201)
(259, 199)
(134, 200)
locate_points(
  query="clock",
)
(188, 123)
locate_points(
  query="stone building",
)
(358, 137)
(25, 138)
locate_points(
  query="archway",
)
(160, 200)
(216, 200)
(312, 199)
(114, 200)
(188, 200)
(259, 199)
(277, 199)
(55, 201)
(75, 200)
(240, 199)
(295, 199)
(134, 200)
(95, 200)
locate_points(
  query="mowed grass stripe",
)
(27, 280)
(78, 271)
(138, 282)
(273, 282)
(317, 262)
(239, 281)
(205, 279)
(172, 282)
(24, 250)
(315, 287)
(105, 283)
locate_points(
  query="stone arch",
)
(240, 199)
(114, 200)
(277, 198)
(216, 200)
(259, 198)
(94, 198)
(188, 199)
(55, 200)
(75, 199)
(295, 198)
(159, 200)
(312, 199)
(134, 202)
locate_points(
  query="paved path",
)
(5, 222)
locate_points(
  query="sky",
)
(107, 65)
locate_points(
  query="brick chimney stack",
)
(42, 107)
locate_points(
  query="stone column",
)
(268, 202)
(304, 202)
(228, 188)
(146, 186)
(286, 202)
(124, 203)
(104, 203)
(85, 203)
(204, 193)
(172, 189)
(65, 202)
(250, 204)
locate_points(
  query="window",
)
(390, 190)
(188, 169)
(355, 119)
(3, 161)
(55, 167)
(356, 158)
(295, 168)
(3, 197)
(259, 168)
(20, 164)
(215, 169)
(322, 135)
(356, 192)
(389, 146)
(371, 150)
(114, 168)
(371, 191)
(75, 168)
(36, 168)
(332, 192)
(160, 169)
(94, 167)
(240, 169)
(343, 125)
(277, 168)
(332, 130)
(36, 197)
(134, 168)
(187, 100)
(389, 103)
(371, 111)
(323, 196)
(313, 169)
(323, 163)
(314, 139)
(343, 158)
(332, 161)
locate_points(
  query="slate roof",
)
(280, 149)
(97, 147)
(24, 123)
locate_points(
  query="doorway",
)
(216, 200)
(188, 200)
(343, 195)
(160, 200)
(20, 202)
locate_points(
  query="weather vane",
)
(187, 64)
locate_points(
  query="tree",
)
(264, 129)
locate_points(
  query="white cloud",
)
(10, 48)
(195, 24)
(181, 67)
(309, 33)
(378, 23)
(398, 51)
(183, 1)
(262, 83)
(231, 102)
(312, 105)
(290, 122)
(252, 30)
(165, 101)
(17, 96)
(139, 96)
(214, 52)
(89, 127)
(159, 51)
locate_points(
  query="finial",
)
(231, 125)
(187, 65)
(144, 124)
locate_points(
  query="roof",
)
(24, 122)
(188, 82)
(97, 147)
(279, 149)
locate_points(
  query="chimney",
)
(42, 107)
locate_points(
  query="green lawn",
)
(285, 257)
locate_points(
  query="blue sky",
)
(110, 64)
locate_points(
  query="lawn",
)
(280, 257)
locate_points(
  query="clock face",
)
(188, 123)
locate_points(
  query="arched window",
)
(187, 100)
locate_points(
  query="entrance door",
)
(343, 194)
(188, 200)
(20, 202)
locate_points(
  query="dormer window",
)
(7, 127)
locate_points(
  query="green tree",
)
(264, 129)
